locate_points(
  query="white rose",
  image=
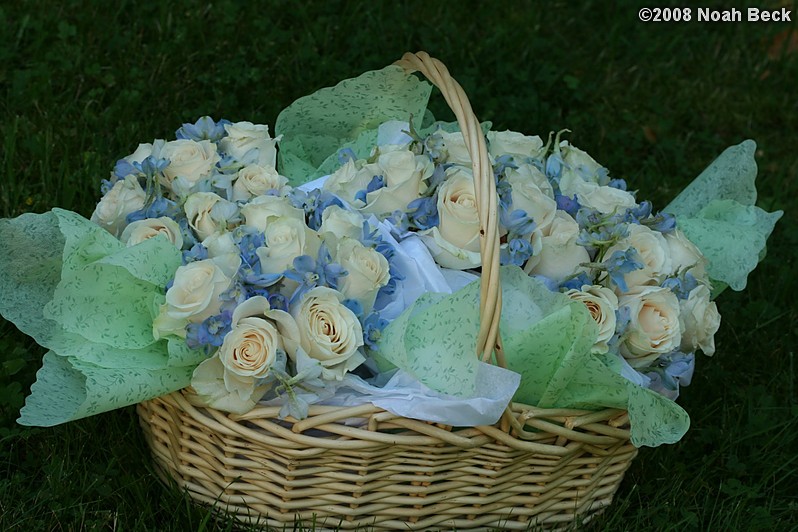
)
(455, 241)
(367, 272)
(654, 328)
(701, 321)
(244, 137)
(286, 239)
(347, 181)
(256, 180)
(684, 254)
(188, 159)
(404, 174)
(456, 150)
(654, 253)
(259, 212)
(602, 303)
(193, 297)
(513, 143)
(125, 197)
(560, 256)
(579, 162)
(208, 213)
(142, 152)
(329, 331)
(141, 230)
(532, 196)
(223, 249)
(257, 334)
(337, 223)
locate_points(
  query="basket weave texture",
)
(363, 467)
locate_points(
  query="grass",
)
(81, 83)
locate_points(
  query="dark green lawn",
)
(82, 83)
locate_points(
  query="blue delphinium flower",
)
(151, 166)
(310, 273)
(517, 252)
(569, 205)
(671, 371)
(623, 318)
(423, 212)
(620, 263)
(203, 129)
(377, 182)
(662, 222)
(373, 326)
(576, 283)
(355, 306)
(124, 168)
(157, 208)
(195, 253)
(620, 184)
(681, 284)
(517, 222)
(314, 203)
(210, 333)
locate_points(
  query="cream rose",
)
(329, 332)
(208, 213)
(455, 241)
(684, 254)
(654, 329)
(193, 296)
(260, 211)
(255, 180)
(141, 230)
(701, 321)
(602, 303)
(455, 146)
(250, 141)
(337, 223)
(367, 272)
(347, 181)
(286, 239)
(532, 195)
(257, 334)
(513, 143)
(142, 152)
(404, 174)
(560, 256)
(125, 197)
(654, 254)
(188, 159)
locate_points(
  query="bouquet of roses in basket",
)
(205, 268)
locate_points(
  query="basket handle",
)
(490, 300)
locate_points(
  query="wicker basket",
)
(363, 467)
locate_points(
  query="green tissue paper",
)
(718, 214)
(348, 115)
(88, 298)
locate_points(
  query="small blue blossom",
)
(377, 182)
(355, 306)
(620, 263)
(517, 222)
(209, 333)
(203, 129)
(197, 252)
(623, 318)
(662, 222)
(569, 205)
(314, 203)
(681, 285)
(157, 208)
(310, 273)
(620, 184)
(373, 326)
(516, 252)
(278, 301)
(152, 166)
(424, 212)
(576, 283)
(671, 371)
(124, 168)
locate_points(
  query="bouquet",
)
(335, 263)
